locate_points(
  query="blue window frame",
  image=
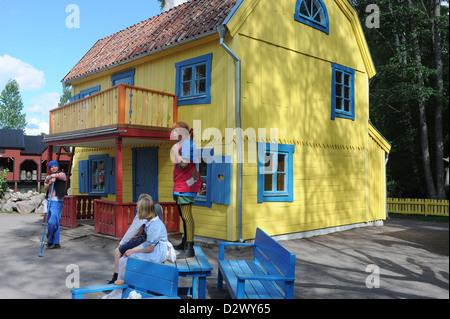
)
(216, 178)
(342, 92)
(125, 77)
(313, 13)
(85, 93)
(74, 98)
(203, 164)
(193, 80)
(96, 175)
(90, 91)
(275, 172)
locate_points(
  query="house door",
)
(145, 172)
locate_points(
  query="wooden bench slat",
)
(202, 260)
(199, 263)
(182, 265)
(274, 251)
(264, 289)
(231, 269)
(193, 264)
(272, 289)
(240, 268)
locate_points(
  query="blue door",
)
(145, 172)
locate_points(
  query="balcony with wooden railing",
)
(121, 105)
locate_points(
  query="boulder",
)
(10, 206)
(18, 196)
(22, 203)
(7, 195)
(24, 207)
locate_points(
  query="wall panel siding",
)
(325, 195)
(378, 148)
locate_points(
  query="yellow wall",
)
(287, 86)
(345, 43)
(378, 148)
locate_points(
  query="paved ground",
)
(412, 258)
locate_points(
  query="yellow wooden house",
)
(277, 93)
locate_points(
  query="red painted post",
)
(49, 157)
(119, 172)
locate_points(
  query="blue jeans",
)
(54, 216)
(131, 244)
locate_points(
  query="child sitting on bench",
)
(153, 249)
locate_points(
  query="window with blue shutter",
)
(193, 80)
(74, 98)
(221, 180)
(85, 93)
(342, 92)
(216, 179)
(204, 169)
(83, 177)
(110, 172)
(96, 176)
(126, 77)
(97, 182)
(90, 91)
(275, 173)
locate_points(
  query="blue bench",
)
(149, 279)
(270, 275)
(197, 268)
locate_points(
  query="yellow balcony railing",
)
(121, 104)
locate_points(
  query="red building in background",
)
(26, 157)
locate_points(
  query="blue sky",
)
(38, 49)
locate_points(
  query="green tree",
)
(161, 3)
(409, 94)
(3, 184)
(65, 96)
(11, 107)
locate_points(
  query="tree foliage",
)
(11, 107)
(3, 182)
(409, 94)
(161, 3)
(65, 96)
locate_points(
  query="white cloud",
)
(36, 127)
(29, 78)
(39, 111)
(43, 103)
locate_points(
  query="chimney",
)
(170, 4)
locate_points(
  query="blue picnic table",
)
(197, 268)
